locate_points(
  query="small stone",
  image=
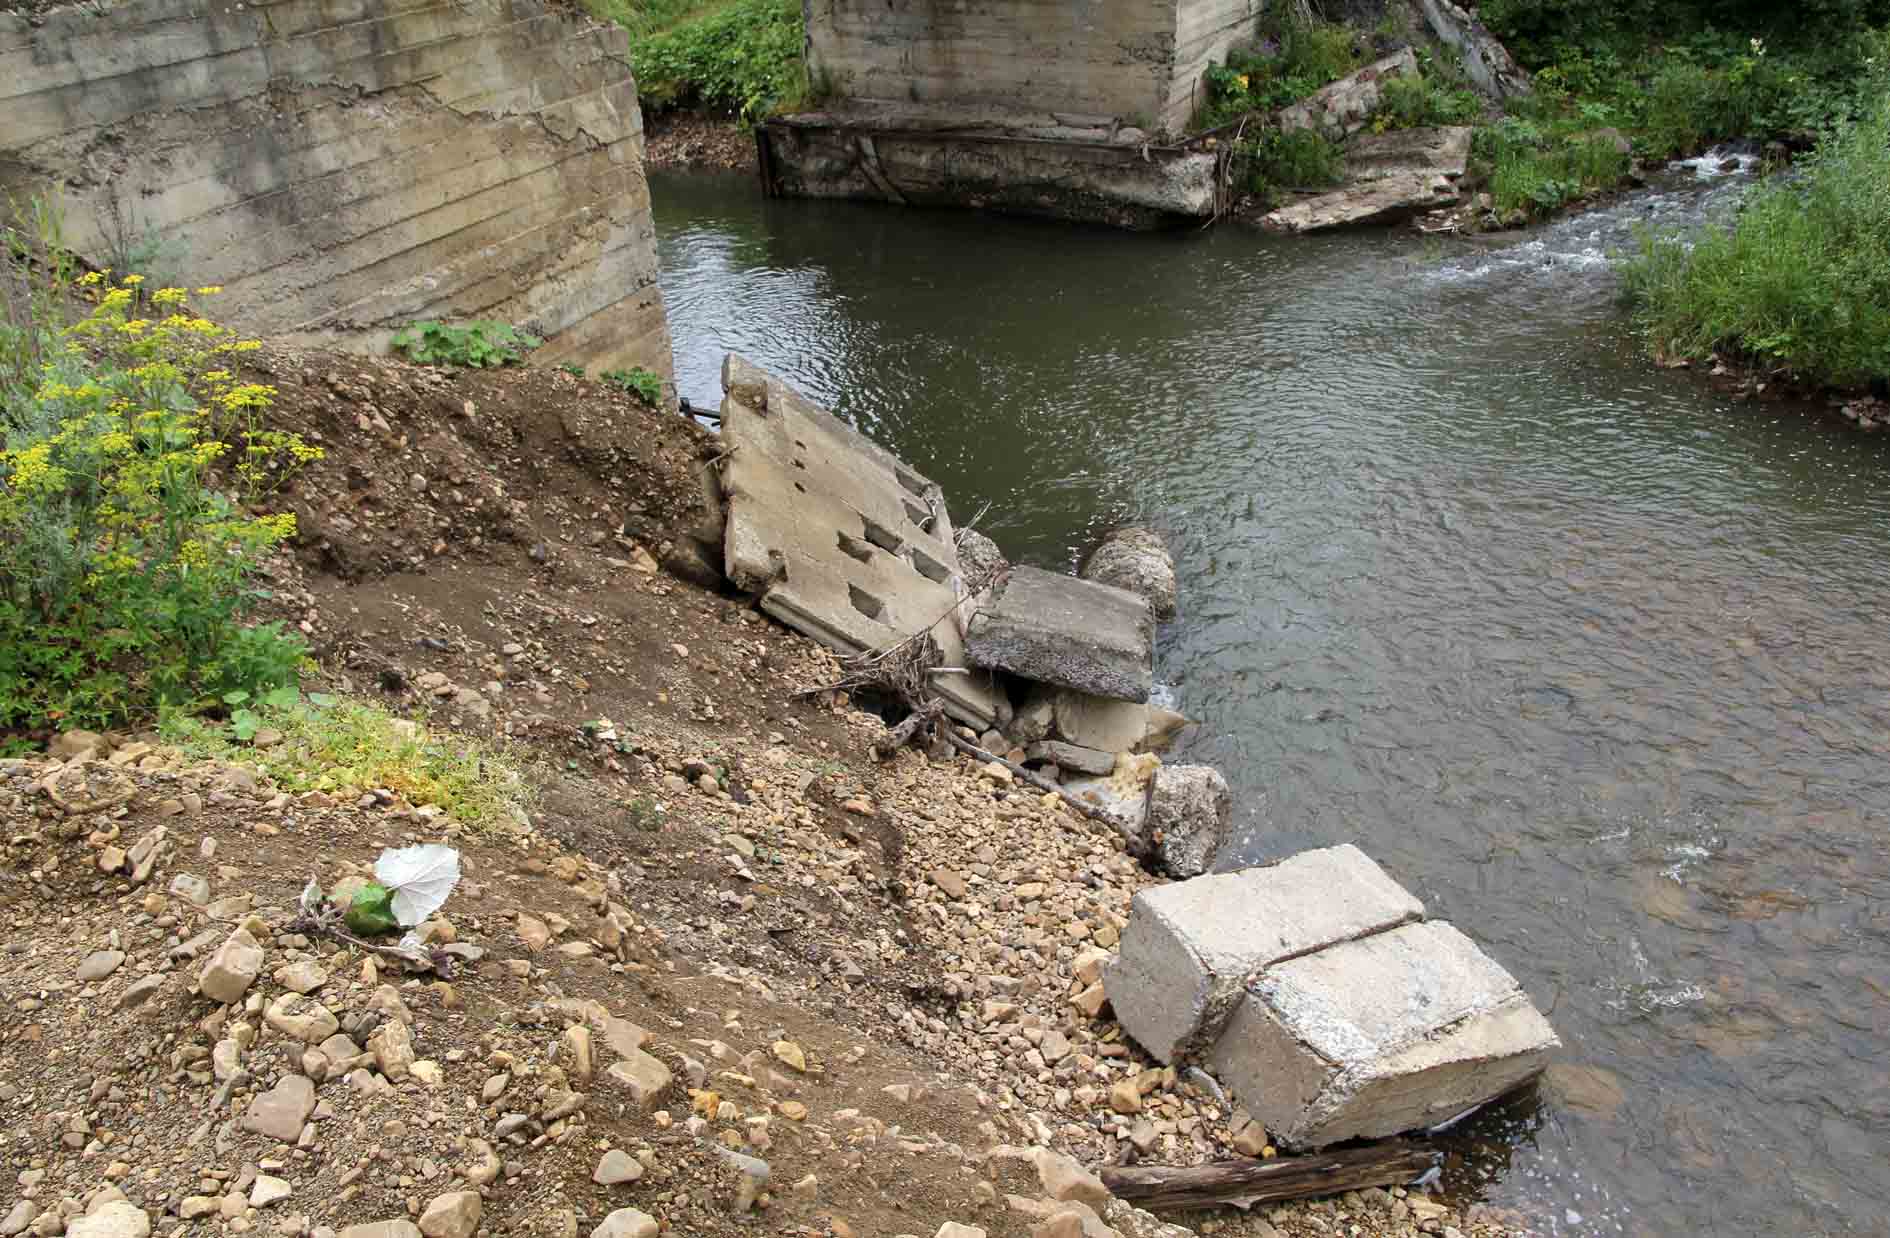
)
(232, 969)
(99, 964)
(952, 1229)
(577, 1053)
(1124, 1097)
(644, 1077)
(617, 1166)
(793, 1110)
(791, 1055)
(117, 1219)
(307, 1021)
(382, 1229)
(192, 888)
(533, 932)
(139, 990)
(626, 1223)
(952, 885)
(392, 1048)
(453, 1215)
(303, 977)
(267, 1190)
(280, 1112)
(1063, 1179)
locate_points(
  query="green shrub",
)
(1798, 280)
(327, 744)
(1289, 64)
(744, 57)
(479, 344)
(1299, 159)
(1411, 102)
(639, 382)
(1538, 169)
(124, 565)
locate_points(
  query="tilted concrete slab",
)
(1387, 1033)
(839, 538)
(1191, 948)
(1073, 633)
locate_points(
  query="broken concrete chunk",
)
(1344, 107)
(1388, 177)
(1068, 632)
(1189, 807)
(1136, 559)
(1387, 1033)
(1190, 948)
(841, 539)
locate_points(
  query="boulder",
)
(1191, 948)
(1486, 61)
(1387, 1033)
(116, 1219)
(642, 1076)
(979, 559)
(624, 1223)
(1135, 559)
(1189, 807)
(1071, 633)
(1388, 177)
(452, 1215)
(280, 1112)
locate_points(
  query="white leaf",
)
(420, 877)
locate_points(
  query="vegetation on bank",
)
(134, 465)
(741, 57)
(1798, 280)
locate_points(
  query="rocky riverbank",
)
(731, 967)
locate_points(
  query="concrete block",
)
(1189, 807)
(1099, 722)
(1191, 948)
(1384, 1034)
(842, 540)
(1068, 632)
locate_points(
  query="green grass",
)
(1537, 168)
(1291, 62)
(1301, 159)
(1799, 280)
(352, 746)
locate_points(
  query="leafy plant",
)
(1295, 159)
(1410, 102)
(572, 368)
(480, 343)
(639, 382)
(130, 466)
(1293, 61)
(744, 57)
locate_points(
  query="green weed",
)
(480, 343)
(1290, 63)
(1798, 280)
(639, 382)
(322, 743)
(744, 57)
(1411, 102)
(132, 462)
(1298, 159)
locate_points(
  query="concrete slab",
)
(1191, 948)
(1387, 1033)
(839, 538)
(1072, 633)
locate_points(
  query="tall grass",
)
(1799, 279)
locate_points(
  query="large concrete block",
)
(1387, 1033)
(1072, 633)
(841, 539)
(1189, 807)
(1136, 559)
(1191, 948)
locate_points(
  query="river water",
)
(1590, 657)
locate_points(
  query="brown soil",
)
(513, 555)
(693, 139)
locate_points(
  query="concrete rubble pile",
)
(1320, 995)
(841, 540)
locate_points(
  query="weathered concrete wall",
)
(343, 167)
(1137, 61)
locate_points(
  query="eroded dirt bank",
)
(874, 978)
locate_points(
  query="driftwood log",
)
(1245, 1182)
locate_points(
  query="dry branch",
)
(1245, 1182)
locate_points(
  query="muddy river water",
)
(1593, 659)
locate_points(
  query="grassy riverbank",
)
(740, 58)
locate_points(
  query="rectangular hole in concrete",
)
(920, 516)
(910, 482)
(929, 567)
(865, 602)
(855, 547)
(881, 536)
